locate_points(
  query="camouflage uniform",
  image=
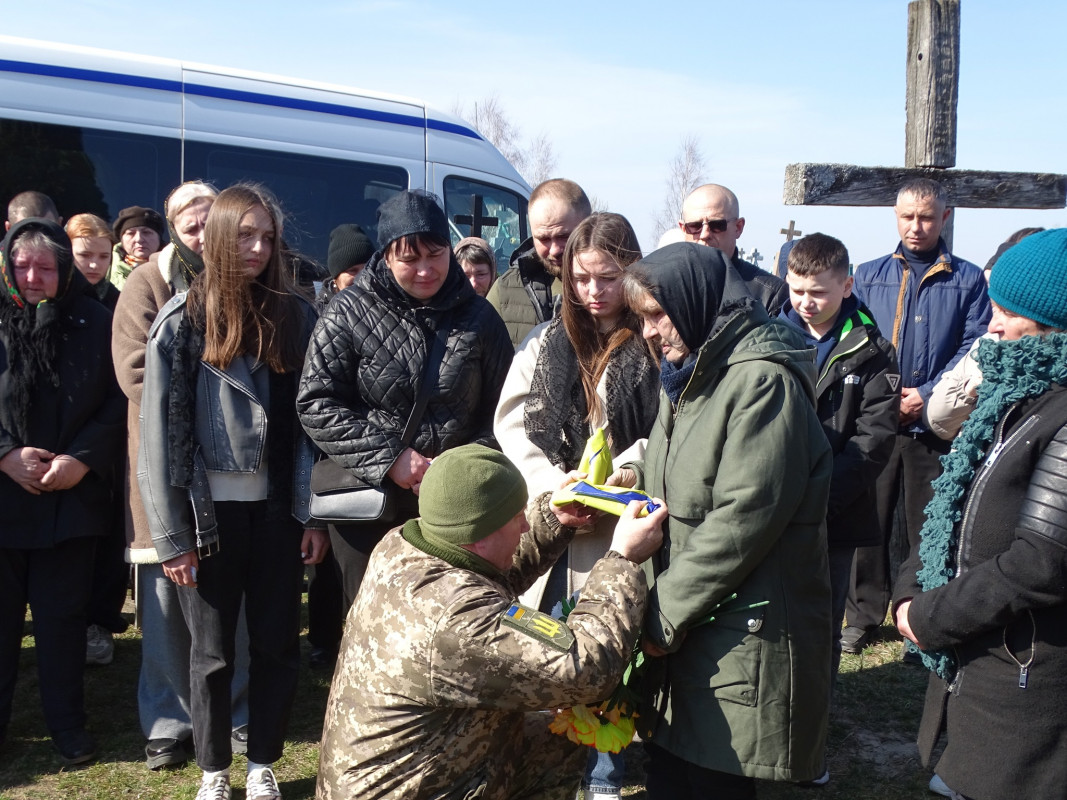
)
(435, 677)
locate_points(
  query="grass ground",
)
(872, 755)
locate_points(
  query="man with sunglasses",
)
(711, 216)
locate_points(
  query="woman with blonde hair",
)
(223, 469)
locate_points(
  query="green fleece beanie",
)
(469, 492)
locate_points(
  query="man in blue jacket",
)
(932, 305)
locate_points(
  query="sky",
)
(617, 86)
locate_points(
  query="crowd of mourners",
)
(179, 391)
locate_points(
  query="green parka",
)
(744, 467)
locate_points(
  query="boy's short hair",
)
(816, 253)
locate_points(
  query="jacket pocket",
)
(737, 678)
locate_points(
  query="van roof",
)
(82, 63)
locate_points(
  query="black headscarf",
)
(693, 284)
(33, 333)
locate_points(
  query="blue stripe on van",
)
(95, 75)
(120, 79)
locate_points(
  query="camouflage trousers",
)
(550, 767)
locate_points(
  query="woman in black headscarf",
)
(61, 431)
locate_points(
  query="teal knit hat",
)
(1030, 279)
(469, 492)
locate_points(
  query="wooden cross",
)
(741, 253)
(791, 232)
(930, 138)
(475, 218)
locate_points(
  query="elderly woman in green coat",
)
(739, 456)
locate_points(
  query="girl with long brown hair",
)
(587, 369)
(223, 471)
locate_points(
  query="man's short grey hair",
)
(31, 204)
(924, 189)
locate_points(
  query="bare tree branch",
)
(686, 173)
(535, 161)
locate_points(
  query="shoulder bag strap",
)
(433, 364)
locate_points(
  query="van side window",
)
(316, 193)
(86, 170)
(496, 214)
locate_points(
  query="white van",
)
(98, 131)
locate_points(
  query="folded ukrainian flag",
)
(596, 464)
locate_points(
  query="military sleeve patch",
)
(540, 626)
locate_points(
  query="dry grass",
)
(872, 755)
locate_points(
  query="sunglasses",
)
(714, 225)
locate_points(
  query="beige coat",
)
(147, 289)
(952, 399)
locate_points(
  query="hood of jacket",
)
(745, 333)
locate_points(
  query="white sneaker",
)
(262, 785)
(216, 789)
(99, 645)
(938, 786)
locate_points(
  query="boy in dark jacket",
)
(858, 394)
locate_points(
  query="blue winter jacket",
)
(932, 328)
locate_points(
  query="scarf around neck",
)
(1011, 371)
(554, 414)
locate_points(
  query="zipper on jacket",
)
(1000, 444)
(845, 330)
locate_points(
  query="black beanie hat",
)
(349, 246)
(410, 212)
(137, 217)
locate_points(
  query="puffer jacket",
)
(231, 426)
(366, 358)
(943, 316)
(525, 295)
(744, 467)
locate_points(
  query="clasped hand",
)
(38, 470)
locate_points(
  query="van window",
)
(317, 194)
(85, 170)
(496, 214)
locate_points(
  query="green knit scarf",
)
(1011, 371)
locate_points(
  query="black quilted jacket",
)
(367, 355)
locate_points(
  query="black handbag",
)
(338, 496)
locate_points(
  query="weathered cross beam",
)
(930, 138)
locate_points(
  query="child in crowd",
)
(858, 394)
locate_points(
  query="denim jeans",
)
(163, 684)
(605, 771)
(840, 559)
(258, 561)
